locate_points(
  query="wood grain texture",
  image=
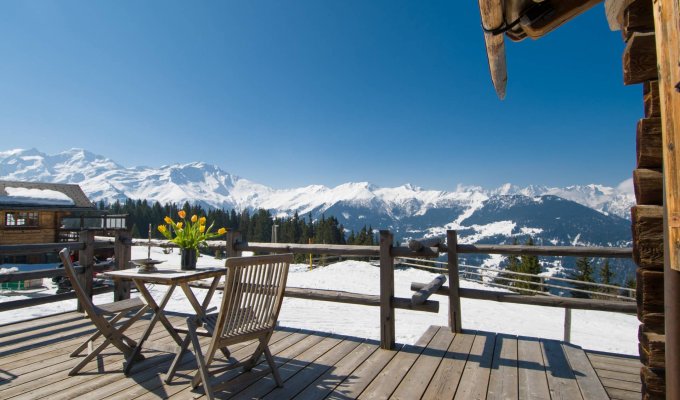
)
(648, 236)
(492, 18)
(648, 143)
(648, 186)
(639, 59)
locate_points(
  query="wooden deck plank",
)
(503, 383)
(561, 380)
(352, 386)
(289, 368)
(467, 365)
(310, 373)
(147, 380)
(621, 376)
(93, 376)
(533, 383)
(475, 379)
(343, 370)
(588, 382)
(391, 376)
(444, 383)
(180, 387)
(618, 394)
(111, 359)
(613, 358)
(45, 356)
(623, 385)
(626, 369)
(283, 350)
(418, 378)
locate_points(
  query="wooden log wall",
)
(636, 21)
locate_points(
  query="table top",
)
(167, 275)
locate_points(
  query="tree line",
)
(585, 271)
(256, 226)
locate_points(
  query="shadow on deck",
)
(34, 363)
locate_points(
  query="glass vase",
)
(188, 260)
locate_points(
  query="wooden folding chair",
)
(253, 293)
(103, 316)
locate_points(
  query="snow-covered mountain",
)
(591, 214)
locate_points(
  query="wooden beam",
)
(455, 319)
(551, 251)
(648, 186)
(627, 307)
(423, 294)
(639, 59)
(648, 236)
(638, 17)
(667, 26)
(652, 348)
(387, 333)
(492, 18)
(650, 94)
(649, 292)
(648, 143)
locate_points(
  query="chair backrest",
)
(84, 299)
(253, 293)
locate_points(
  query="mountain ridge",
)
(408, 209)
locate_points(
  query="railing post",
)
(86, 260)
(567, 325)
(233, 237)
(454, 296)
(123, 253)
(386, 291)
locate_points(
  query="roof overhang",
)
(519, 19)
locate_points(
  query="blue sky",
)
(297, 92)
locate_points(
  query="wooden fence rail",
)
(386, 252)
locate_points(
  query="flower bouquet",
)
(189, 235)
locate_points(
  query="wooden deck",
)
(34, 363)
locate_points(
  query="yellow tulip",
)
(180, 225)
(168, 220)
(222, 231)
(202, 221)
(182, 214)
(201, 228)
(161, 228)
(194, 218)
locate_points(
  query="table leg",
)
(158, 316)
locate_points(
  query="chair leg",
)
(272, 365)
(202, 367)
(178, 357)
(89, 357)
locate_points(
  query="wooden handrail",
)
(547, 301)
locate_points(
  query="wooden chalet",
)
(651, 31)
(36, 212)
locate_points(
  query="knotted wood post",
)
(123, 253)
(233, 237)
(454, 295)
(386, 291)
(86, 261)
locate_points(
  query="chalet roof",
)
(519, 19)
(43, 195)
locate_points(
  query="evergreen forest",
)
(255, 226)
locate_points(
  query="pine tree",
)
(584, 273)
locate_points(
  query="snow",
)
(363, 321)
(35, 196)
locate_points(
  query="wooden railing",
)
(86, 248)
(385, 252)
